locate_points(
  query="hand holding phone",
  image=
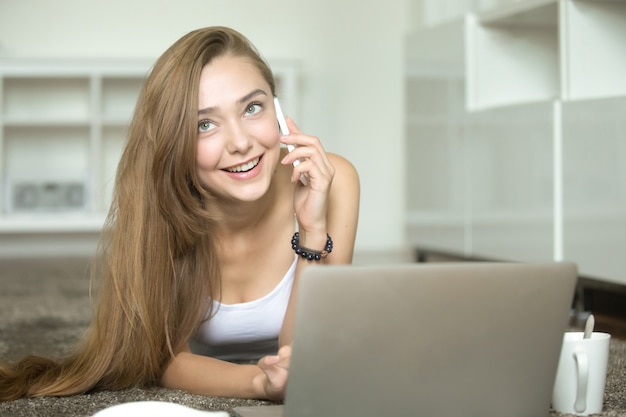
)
(282, 124)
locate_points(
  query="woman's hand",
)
(311, 200)
(273, 380)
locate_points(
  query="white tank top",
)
(246, 331)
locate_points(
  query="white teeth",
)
(244, 167)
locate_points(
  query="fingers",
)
(275, 368)
(292, 125)
(313, 161)
(296, 137)
(285, 353)
(269, 361)
(310, 200)
(281, 359)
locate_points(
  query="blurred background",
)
(347, 60)
(481, 129)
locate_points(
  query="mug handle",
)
(582, 376)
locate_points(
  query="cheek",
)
(207, 155)
(267, 133)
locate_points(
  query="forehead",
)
(226, 79)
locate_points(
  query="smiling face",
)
(238, 144)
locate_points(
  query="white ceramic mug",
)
(581, 374)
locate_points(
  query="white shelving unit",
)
(542, 137)
(62, 128)
(535, 50)
(593, 58)
(567, 54)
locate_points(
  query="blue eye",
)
(253, 108)
(205, 126)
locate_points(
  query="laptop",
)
(449, 339)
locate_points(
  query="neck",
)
(238, 216)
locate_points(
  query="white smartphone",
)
(282, 124)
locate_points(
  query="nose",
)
(237, 139)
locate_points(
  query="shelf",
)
(35, 98)
(51, 223)
(34, 153)
(541, 50)
(520, 12)
(536, 170)
(45, 121)
(511, 64)
(62, 126)
(593, 34)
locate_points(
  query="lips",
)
(245, 167)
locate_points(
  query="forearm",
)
(212, 377)
(341, 256)
(341, 218)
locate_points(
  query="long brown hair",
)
(157, 265)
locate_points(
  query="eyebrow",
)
(242, 100)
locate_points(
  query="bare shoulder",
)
(343, 209)
(345, 172)
(346, 186)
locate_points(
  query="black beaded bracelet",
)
(311, 255)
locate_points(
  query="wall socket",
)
(46, 196)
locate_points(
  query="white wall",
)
(351, 53)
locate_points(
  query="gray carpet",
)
(44, 308)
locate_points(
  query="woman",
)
(197, 244)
